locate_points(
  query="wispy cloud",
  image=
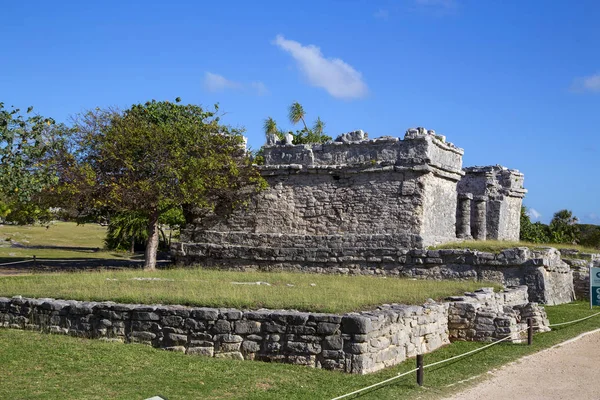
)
(218, 83)
(534, 214)
(381, 14)
(591, 218)
(338, 78)
(589, 83)
(260, 88)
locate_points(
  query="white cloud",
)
(534, 214)
(260, 88)
(587, 84)
(382, 14)
(218, 83)
(338, 78)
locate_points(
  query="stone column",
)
(463, 217)
(479, 226)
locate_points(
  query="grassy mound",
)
(252, 290)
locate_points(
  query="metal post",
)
(591, 294)
(420, 369)
(529, 331)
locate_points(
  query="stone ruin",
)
(340, 202)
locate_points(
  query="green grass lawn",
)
(495, 246)
(199, 287)
(41, 366)
(60, 240)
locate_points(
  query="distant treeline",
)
(563, 228)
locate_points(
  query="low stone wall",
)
(359, 343)
(487, 316)
(581, 273)
(549, 279)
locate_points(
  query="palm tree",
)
(319, 127)
(270, 126)
(296, 114)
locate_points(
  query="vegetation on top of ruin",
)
(306, 135)
(496, 246)
(213, 288)
(41, 366)
(563, 232)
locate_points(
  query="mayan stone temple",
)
(357, 200)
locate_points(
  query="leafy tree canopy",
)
(154, 157)
(23, 144)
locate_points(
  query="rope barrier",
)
(16, 262)
(457, 357)
(376, 384)
(472, 351)
(427, 366)
(572, 322)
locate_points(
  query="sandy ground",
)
(567, 371)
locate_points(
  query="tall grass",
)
(199, 287)
(495, 246)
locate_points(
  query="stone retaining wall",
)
(487, 316)
(354, 342)
(549, 279)
(581, 273)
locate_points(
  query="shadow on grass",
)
(25, 265)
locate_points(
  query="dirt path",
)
(568, 371)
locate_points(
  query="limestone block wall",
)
(549, 279)
(580, 266)
(439, 210)
(359, 343)
(487, 316)
(380, 186)
(502, 190)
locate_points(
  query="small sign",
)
(594, 286)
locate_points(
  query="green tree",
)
(23, 146)
(270, 127)
(589, 235)
(128, 229)
(533, 232)
(563, 227)
(296, 114)
(158, 156)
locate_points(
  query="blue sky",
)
(512, 82)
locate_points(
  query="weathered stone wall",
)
(439, 210)
(580, 267)
(354, 342)
(549, 279)
(503, 192)
(339, 201)
(488, 316)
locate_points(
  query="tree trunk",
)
(305, 127)
(132, 244)
(152, 244)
